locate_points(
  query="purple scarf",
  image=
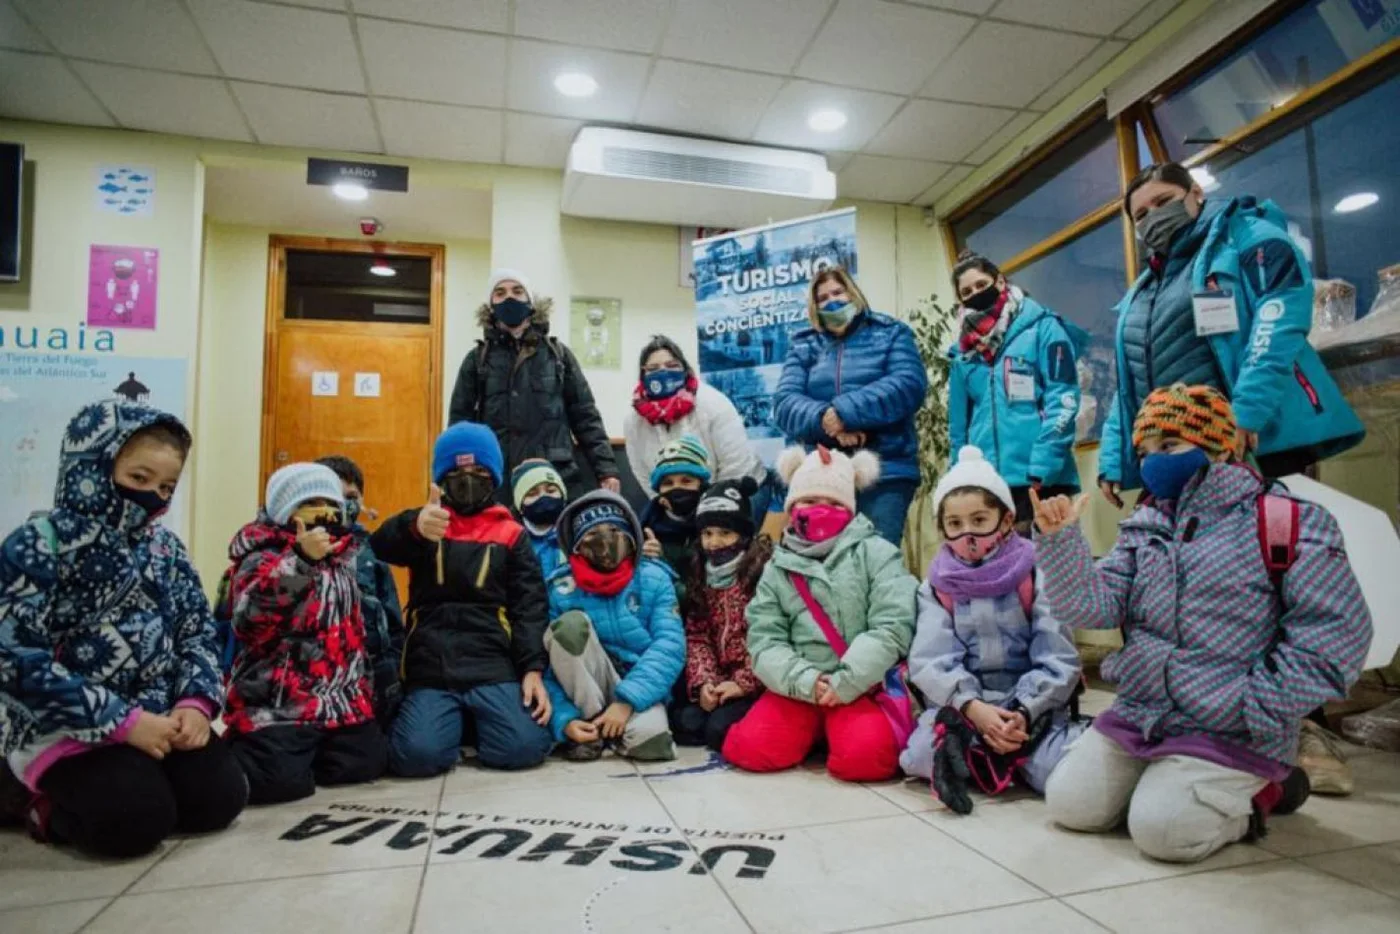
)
(1000, 574)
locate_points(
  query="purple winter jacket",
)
(1209, 648)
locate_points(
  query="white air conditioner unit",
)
(633, 176)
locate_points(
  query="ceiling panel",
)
(337, 5)
(1079, 74)
(1150, 16)
(945, 184)
(430, 64)
(878, 178)
(1100, 17)
(150, 33)
(706, 100)
(487, 15)
(975, 7)
(15, 32)
(290, 117)
(39, 87)
(628, 25)
(539, 141)
(882, 46)
(939, 131)
(767, 36)
(281, 45)
(437, 131)
(1000, 138)
(785, 123)
(535, 65)
(166, 103)
(974, 73)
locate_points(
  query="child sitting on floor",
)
(301, 702)
(719, 679)
(539, 494)
(477, 613)
(108, 672)
(1221, 658)
(996, 667)
(616, 644)
(834, 610)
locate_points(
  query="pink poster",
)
(122, 287)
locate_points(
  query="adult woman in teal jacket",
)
(1013, 390)
(1226, 301)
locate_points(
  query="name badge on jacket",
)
(1020, 381)
(1215, 313)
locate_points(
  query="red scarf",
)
(977, 328)
(666, 411)
(602, 583)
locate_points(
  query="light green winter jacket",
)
(868, 594)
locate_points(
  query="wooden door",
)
(368, 390)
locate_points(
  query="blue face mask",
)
(836, 314)
(512, 312)
(663, 384)
(1166, 475)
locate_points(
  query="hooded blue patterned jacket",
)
(101, 610)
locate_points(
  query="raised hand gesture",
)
(432, 518)
(1057, 512)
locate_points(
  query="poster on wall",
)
(688, 236)
(595, 332)
(751, 297)
(40, 393)
(122, 283)
(128, 190)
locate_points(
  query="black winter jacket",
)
(477, 607)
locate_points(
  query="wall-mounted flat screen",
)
(11, 198)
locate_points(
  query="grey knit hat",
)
(294, 484)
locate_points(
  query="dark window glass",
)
(340, 287)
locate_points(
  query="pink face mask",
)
(820, 522)
(972, 548)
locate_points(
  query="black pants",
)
(118, 802)
(284, 763)
(692, 725)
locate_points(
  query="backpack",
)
(1278, 535)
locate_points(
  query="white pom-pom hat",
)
(827, 473)
(972, 469)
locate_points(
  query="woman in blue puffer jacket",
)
(854, 380)
(1013, 390)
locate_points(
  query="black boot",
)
(15, 798)
(951, 737)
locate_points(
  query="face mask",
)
(605, 549)
(836, 314)
(682, 502)
(663, 384)
(512, 312)
(1166, 475)
(467, 493)
(984, 300)
(973, 548)
(821, 522)
(150, 501)
(719, 557)
(352, 511)
(318, 517)
(543, 510)
(1161, 224)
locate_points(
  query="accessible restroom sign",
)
(373, 175)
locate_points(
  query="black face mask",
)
(983, 300)
(719, 557)
(512, 312)
(543, 511)
(682, 503)
(150, 501)
(466, 493)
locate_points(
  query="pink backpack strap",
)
(1026, 591)
(1278, 533)
(944, 600)
(823, 621)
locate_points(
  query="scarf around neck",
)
(1000, 574)
(720, 576)
(808, 549)
(666, 411)
(983, 331)
(603, 583)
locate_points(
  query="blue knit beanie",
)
(468, 444)
(294, 484)
(685, 455)
(599, 514)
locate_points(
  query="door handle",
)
(282, 457)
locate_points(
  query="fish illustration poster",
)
(122, 287)
(128, 190)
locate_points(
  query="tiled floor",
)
(606, 847)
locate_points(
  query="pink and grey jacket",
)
(1213, 647)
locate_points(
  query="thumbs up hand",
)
(651, 548)
(1057, 512)
(432, 518)
(315, 543)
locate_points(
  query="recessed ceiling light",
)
(350, 191)
(575, 84)
(1357, 202)
(826, 121)
(381, 268)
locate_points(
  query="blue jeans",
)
(886, 504)
(427, 734)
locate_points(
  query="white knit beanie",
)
(972, 469)
(827, 473)
(502, 275)
(294, 484)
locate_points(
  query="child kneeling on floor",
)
(719, 679)
(834, 610)
(301, 699)
(616, 644)
(108, 671)
(477, 612)
(1221, 658)
(996, 667)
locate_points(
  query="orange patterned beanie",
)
(1199, 415)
